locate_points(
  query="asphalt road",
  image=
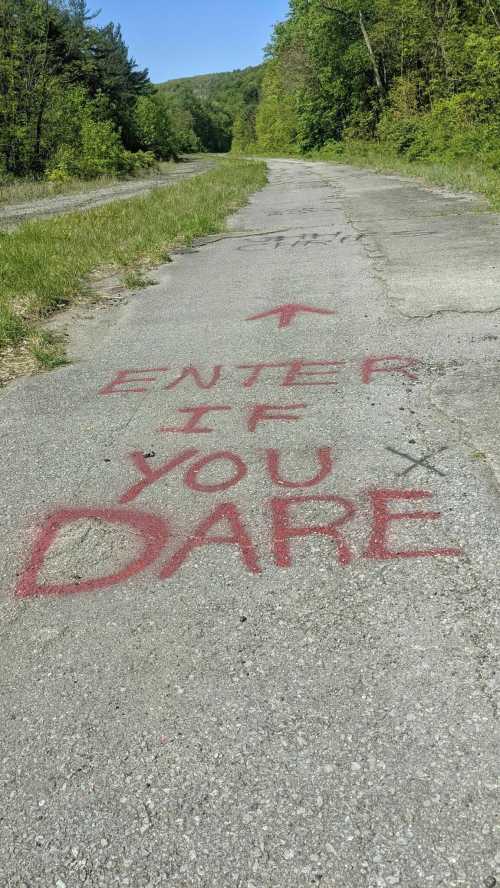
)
(253, 640)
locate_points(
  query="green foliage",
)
(277, 119)
(74, 104)
(200, 124)
(455, 129)
(68, 93)
(421, 77)
(219, 109)
(182, 121)
(233, 91)
(84, 142)
(244, 132)
(153, 126)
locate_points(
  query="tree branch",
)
(491, 8)
(328, 8)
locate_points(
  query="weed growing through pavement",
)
(48, 349)
(136, 280)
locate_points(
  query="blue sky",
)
(178, 38)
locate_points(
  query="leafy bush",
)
(101, 149)
(361, 125)
(457, 128)
(90, 145)
(331, 151)
(144, 160)
(58, 175)
(398, 132)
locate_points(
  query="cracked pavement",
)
(200, 688)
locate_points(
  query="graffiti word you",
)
(285, 374)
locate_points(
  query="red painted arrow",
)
(287, 313)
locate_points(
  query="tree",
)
(153, 126)
(421, 75)
(47, 48)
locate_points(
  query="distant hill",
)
(233, 90)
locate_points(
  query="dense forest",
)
(230, 99)
(73, 103)
(419, 76)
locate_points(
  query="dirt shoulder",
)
(14, 214)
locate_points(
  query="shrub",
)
(144, 160)
(332, 151)
(361, 125)
(153, 127)
(58, 175)
(398, 132)
(457, 128)
(90, 144)
(101, 151)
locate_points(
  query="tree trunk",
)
(38, 133)
(492, 10)
(42, 77)
(372, 54)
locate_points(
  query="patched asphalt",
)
(199, 687)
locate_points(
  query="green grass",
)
(463, 175)
(27, 190)
(48, 350)
(44, 264)
(137, 280)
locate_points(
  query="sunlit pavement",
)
(250, 558)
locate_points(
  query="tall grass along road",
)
(25, 199)
(44, 264)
